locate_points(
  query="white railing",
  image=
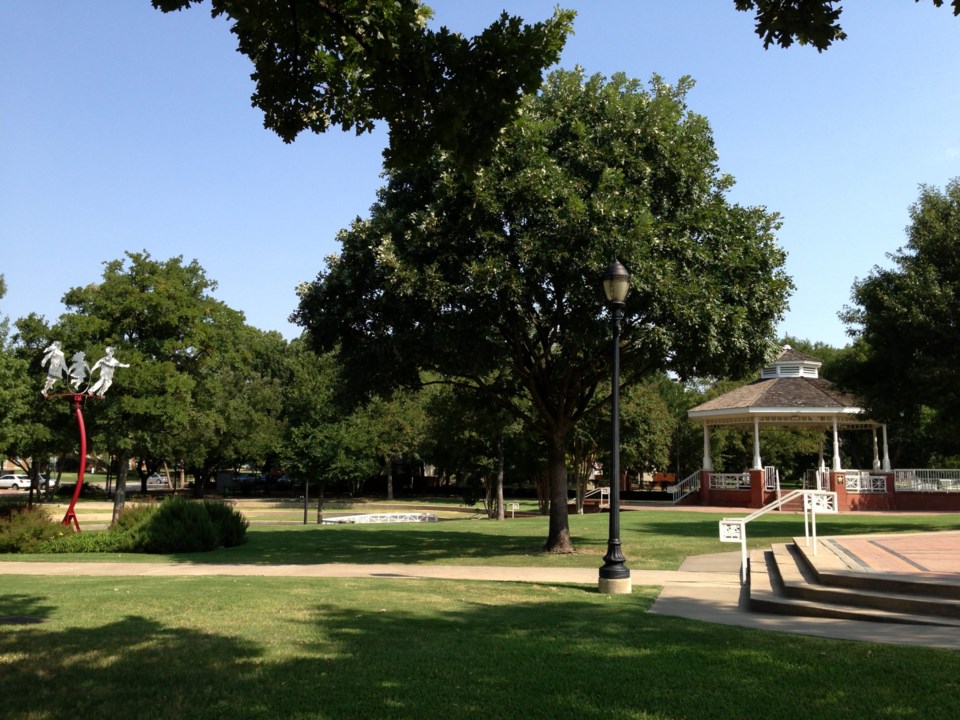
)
(866, 484)
(730, 481)
(603, 492)
(688, 486)
(926, 480)
(814, 479)
(381, 518)
(814, 501)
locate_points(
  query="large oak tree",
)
(808, 22)
(493, 281)
(350, 63)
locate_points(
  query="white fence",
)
(935, 481)
(730, 481)
(380, 518)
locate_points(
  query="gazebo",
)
(788, 394)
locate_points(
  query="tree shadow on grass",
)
(420, 543)
(464, 651)
(25, 606)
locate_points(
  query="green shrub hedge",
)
(173, 526)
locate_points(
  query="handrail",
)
(687, 486)
(604, 492)
(735, 529)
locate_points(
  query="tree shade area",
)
(493, 281)
(351, 63)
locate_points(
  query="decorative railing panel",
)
(730, 481)
(867, 484)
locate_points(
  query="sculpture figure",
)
(107, 364)
(78, 370)
(54, 360)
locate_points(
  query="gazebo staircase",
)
(788, 579)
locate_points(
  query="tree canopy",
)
(350, 63)
(493, 281)
(808, 22)
(904, 321)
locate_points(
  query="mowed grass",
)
(196, 647)
(251, 647)
(651, 539)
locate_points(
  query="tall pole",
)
(71, 515)
(615, 575)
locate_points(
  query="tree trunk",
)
(499, 479)
(558, 539)
(120, 495)
(389, 469)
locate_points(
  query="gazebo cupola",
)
(791, 364)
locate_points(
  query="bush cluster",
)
(173, 526)
(26, 529)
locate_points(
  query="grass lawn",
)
(262, 648)
(248, 647)
(651, 539)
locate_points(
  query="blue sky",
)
(122, 128)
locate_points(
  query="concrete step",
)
(780, 583)
(833, 566)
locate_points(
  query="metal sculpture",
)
(78, 372)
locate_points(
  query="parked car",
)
(17, 482)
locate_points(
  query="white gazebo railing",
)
(926, 480)
(729, 481)
(865, 483)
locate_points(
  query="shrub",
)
(134, 516)
(88, 491)
(178, 525)
(27, 530)
(96, 541)
(230, 525)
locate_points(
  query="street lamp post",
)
(615, 575)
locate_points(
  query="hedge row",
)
(176, 525)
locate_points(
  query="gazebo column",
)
(757, 462)
(886, 451)
(876, 452)
(707, 458)
(836, 448)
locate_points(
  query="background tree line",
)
(207, 392)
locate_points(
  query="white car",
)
(17, 482)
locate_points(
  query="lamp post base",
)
(615, 586)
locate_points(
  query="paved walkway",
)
(705, 588)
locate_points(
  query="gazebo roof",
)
(789, 392)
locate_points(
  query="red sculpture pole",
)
(71, 515)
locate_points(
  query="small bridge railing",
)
(814, 501)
